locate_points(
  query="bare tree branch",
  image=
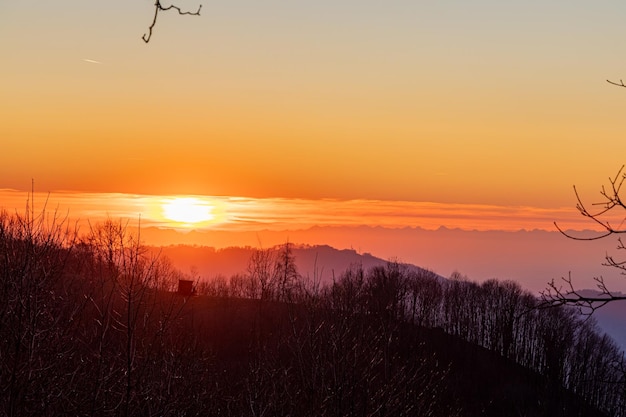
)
(558, 295)
(619, 84)
(565, 294)
(158, 7)
(612, 200)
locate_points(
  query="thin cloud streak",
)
(256, 214)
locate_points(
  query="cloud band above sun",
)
(187, 212)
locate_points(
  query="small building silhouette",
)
(185, 287)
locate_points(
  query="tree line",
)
(557, 342)
(91, 325)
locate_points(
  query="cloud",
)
(91, 61)
(254, 214)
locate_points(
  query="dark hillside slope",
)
(327, 363)
(486, 384)
(91, 327)
(500, 317)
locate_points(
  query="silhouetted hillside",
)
(532, 258)
(322, 262)
(490, 385)
(446, 375)
(611, 318)
(94, 326)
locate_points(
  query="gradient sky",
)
(244, 214)
(482, 102)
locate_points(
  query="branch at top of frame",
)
(158, 7)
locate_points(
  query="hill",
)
(324, 262)
(90, 327)
(321, 262)
(399, 369)
(611, 317)
(532, 258)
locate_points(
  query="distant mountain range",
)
(532, 258)
(323, 262)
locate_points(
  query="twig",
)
(619, 84)
(555, 296)
(612, 200)
(158, 7)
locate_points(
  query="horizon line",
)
(239, 213)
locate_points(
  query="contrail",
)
(92, 61)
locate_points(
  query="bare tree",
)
(158, 8)
(564, 292)
(286, 274)
(260, 274)
(35, 319)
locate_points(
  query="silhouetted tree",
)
(260, 272)
(37, 320)
(93, 327)
(565, 292)
(424, 292)
(286, 276)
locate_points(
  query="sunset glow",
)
(188, 210)
(315, 100)
(239, 214)
(328, 207)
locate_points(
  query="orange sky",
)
(244, 214)
(451, 103)
(476, 115)
(481, 241)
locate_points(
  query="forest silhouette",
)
(94, 325)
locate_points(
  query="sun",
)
(188, 210)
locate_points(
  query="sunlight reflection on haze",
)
(187, 212)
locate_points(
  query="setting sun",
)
(188, 210)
